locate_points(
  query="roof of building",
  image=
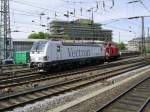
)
(26, 40)
(34, 40)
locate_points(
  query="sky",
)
(26, 15)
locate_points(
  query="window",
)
(39, 46)
(58, 48)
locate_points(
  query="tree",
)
(121, 46)
(42, 35)
(33, 36)
(39, 35)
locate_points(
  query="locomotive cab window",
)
(38, 47)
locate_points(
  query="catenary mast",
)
(5, 32)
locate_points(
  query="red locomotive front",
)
(112, 51)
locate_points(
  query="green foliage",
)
(39, 35)
(42, 35)
(121, 46)
(33, 36)
(85, 21)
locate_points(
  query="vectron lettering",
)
(78, 53)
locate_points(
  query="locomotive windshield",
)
(38, 46)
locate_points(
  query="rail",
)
(133, 99)
(39, 93)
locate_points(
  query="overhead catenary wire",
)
(22, 11)
(94, 4)
(144, 6)
(31, 5)
(96, 0)
(56, 14)
(28, 13)
(28, 4)
(141, 2)
(122, 29)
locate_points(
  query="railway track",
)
(13, 65)
(33, 77)
(135, 99)
(26, 76)
(7, 70)
(16, 72)
(22, 68)
(130, 56)
(10, 71)
(31, 95)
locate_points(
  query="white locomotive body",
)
(45, 54)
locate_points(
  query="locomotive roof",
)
(79, 44)
(76, 43)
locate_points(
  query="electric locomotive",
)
(48, 54)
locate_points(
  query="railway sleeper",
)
(23, 98)
(40, 94)
(46, 92)
(142, 90)
(147, 90)
(4, 104)
(145, 87)
(53, 91)
(31, 96)
(65, 87)
(14, 101)
(138, 95)
(122, 106)
(131, 102)
(59, 89)
(137, 99)
(119, 108)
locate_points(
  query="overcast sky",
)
(25, 15)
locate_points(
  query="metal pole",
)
(119, 37)
(148, 42)
(148, 32)
(143, 36)
(93, 25)
(5, 31)
(92, 16)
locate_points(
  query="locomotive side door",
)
(59, 52)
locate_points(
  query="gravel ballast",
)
(65, 102)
